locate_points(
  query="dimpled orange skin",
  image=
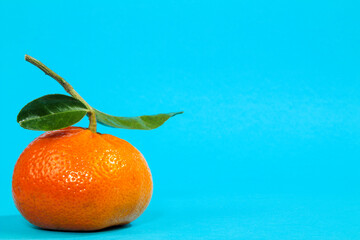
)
(76, 180)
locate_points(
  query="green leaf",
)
(51, 112)
(146, 122)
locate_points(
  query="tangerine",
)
(75, 180)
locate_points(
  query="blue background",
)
(269, 144)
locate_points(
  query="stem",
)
(68, 88)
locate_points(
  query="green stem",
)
(68, 88)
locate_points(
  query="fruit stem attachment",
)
(68, 88)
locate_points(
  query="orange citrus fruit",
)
(76, 180)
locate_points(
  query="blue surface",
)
(269, 144)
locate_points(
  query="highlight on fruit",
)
(74, 178)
